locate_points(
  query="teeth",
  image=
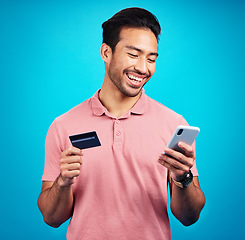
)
(132, 77)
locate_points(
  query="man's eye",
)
(132, 55)
(151, 60)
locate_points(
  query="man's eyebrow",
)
(139, 50)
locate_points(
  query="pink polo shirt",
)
(121, 192)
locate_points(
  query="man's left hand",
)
(179, 164)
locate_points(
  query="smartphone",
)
(186, 134)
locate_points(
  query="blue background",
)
(50, 62)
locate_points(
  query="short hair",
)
(130, 17)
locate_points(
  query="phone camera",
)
(180, 131)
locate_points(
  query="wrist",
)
(185, 182)
(63, 183)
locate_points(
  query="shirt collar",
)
(98, 109)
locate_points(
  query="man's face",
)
(133, 61)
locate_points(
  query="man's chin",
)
(132, 93)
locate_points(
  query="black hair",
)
(130, 17)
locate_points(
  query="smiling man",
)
(127, 68)
(119, 190)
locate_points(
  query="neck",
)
(116, 102)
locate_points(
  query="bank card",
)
(85, 140)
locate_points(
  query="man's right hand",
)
(56, 199)
(70, 164)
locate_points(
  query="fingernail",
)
(167, 150)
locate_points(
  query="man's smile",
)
(135, 80)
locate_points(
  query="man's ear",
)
(105, 52)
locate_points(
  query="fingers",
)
(70, 164)
(69, 170)
(178, 160)
(173, 164)
(189, 152)
(71, 151)
(179, 164)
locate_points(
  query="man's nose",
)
(141, 66)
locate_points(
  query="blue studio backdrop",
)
(50, 62)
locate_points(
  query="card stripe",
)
(82, 140)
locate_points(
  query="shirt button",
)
(117, 121)
(118, 133)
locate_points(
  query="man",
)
(119, 190)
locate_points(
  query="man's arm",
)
(186, 203)
(56, 199)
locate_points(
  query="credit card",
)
(85, 140)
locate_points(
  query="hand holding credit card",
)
(85, 140)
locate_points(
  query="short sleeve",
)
(52, 154)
